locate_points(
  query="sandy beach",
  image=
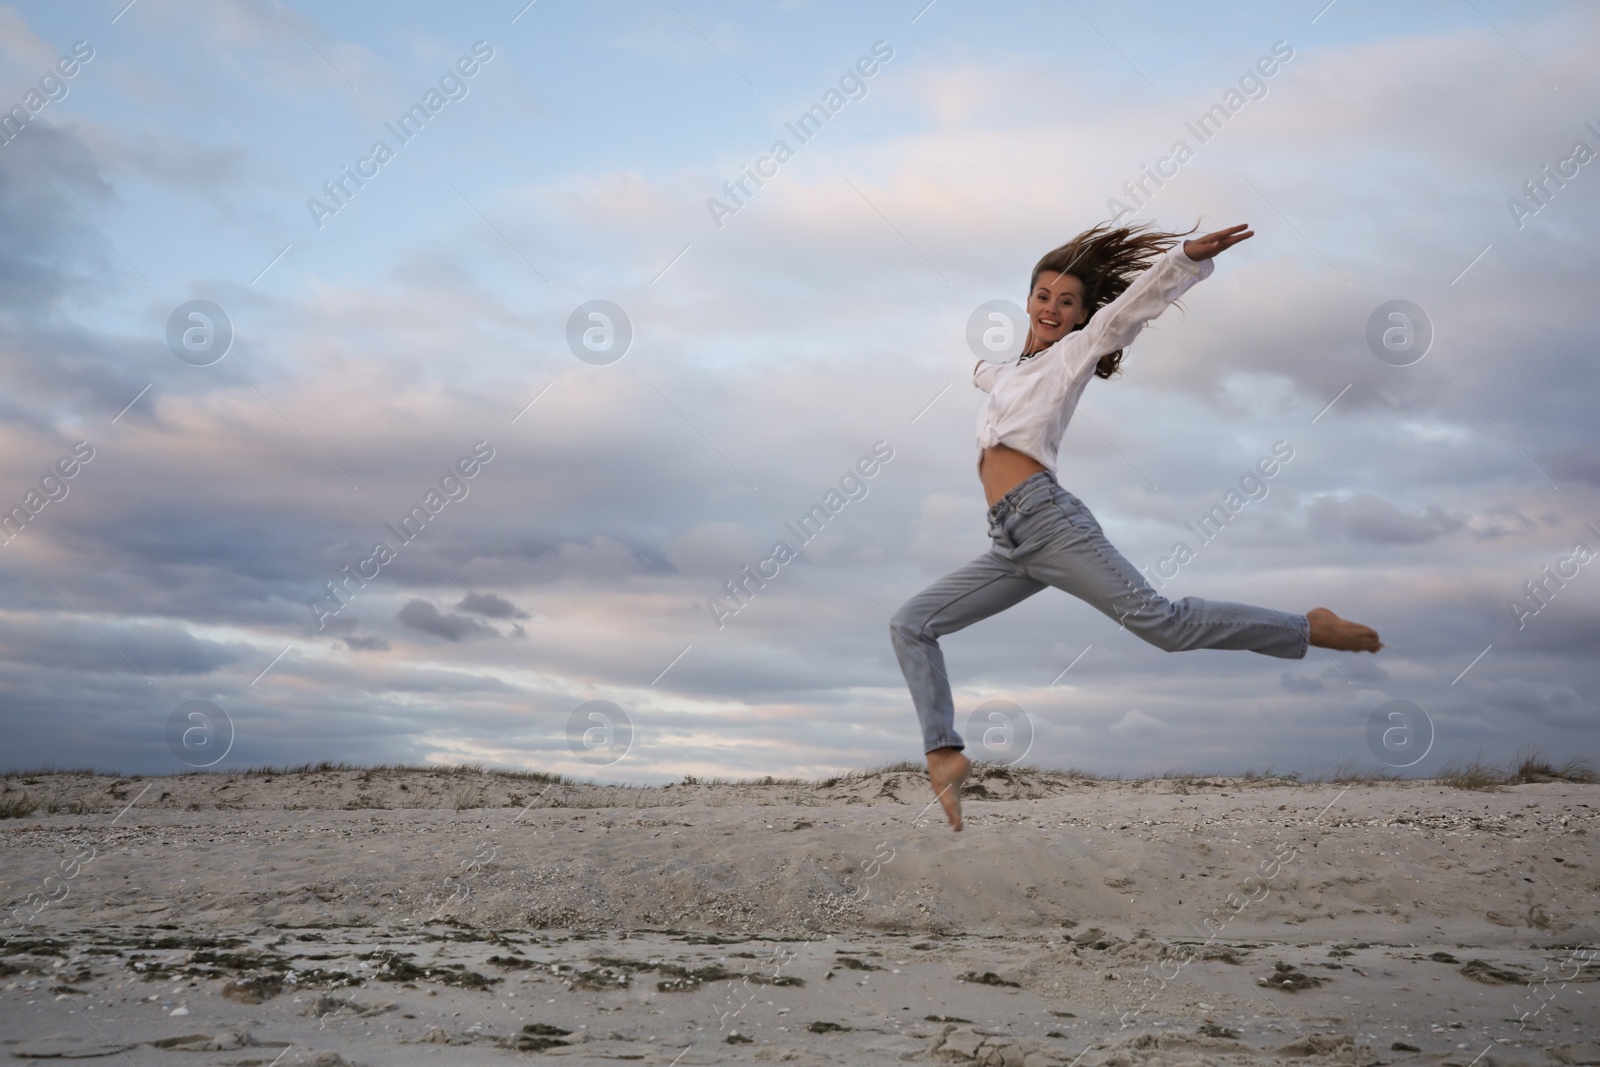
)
(416, 916)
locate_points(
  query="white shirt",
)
(1031, 400)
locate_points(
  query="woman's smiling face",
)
(1055, 308)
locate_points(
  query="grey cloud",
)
(1368, 519)
(171, 159)
(1295, 683)
(73, 644)
(712, 548)
(1502, 520)
(494, 607)
(1345, 674)
(366, 644)
(1362, 671)
(423, 616)
(1576, 462)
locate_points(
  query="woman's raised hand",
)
(1205, 247)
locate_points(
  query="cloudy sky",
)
(377, 322)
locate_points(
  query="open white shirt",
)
(1031, 400)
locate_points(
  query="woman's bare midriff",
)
(1002, 468)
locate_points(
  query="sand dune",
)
(393, 916)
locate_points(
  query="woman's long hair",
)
(1106, 259)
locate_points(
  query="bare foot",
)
(947, 769)
(1330, 631)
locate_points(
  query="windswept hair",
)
(1106, 259)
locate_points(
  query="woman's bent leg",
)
(982, 588)
(1078, 558)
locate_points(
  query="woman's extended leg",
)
(1066, 548)
(976, 591)
(983, 587)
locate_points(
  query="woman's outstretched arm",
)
(1115, 326)
(1203, 248)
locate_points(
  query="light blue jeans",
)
(1044, 536)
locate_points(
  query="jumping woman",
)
(1088, 300)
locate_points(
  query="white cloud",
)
(1135, 723)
